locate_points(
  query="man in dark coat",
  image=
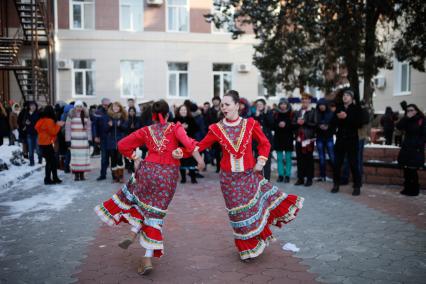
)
(101, 127)
(304, 122)
(347, 122)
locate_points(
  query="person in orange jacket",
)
(47, 130)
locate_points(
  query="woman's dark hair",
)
(188, 112)
(389, 111)
(83, 116)
(131, 108)
(419, 112)
(48, 112)
(234, 95)
(160, 106)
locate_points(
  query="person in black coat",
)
(347, 121)
(388, 123)
(305, 122)
(283, 139)
(133, 124)
(324, 132)
(183, 115)
(411, 156)
(266, 120)
(31, 117)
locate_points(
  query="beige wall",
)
(107, 48)
(388, 95)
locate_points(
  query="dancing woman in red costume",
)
(252, 202)
(144, 200)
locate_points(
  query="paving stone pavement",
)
(378, 237)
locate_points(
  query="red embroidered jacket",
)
(160, 140)
(237, 157)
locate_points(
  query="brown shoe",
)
(125, 243)
(146, 266)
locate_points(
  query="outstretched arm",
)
(128, 144)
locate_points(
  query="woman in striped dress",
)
(77, 135)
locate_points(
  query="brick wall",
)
(381, 174)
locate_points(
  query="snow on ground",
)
(32, 199)
(14, 173)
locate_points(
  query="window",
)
(82, 14)
(178, 80)
(403, 78)
(226, 24)
(177, 16)
(83, 78)
(131, 78)
(222, 79)
(131, 15)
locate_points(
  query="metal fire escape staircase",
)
(30, 76)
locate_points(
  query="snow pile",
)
(14, 166)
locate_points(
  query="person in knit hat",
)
(324, 132)
(283, 139)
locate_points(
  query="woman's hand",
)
(110, 123)
(60, 123)
(177, 153)
(201, 165)
(258, 167)
(137, 163)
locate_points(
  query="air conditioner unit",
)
(64, 64)
(154, 2)
(380, 82)
(243, 68)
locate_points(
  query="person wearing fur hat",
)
(283, 139)
(117, 127)
(78, 133)
(325, 132)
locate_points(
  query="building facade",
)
(148, 50)
(402, 83)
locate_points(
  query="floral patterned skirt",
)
(253, 204)
(142, 202)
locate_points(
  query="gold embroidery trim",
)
(240, 137)
(159, 144)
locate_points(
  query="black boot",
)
(82, 176)
(356, 191)
(48, 181)
(299, 181)
(76, 176)
(183, 176)
(335, 188)
(286, 179)
(56, 180)
(193, 176)
(308, 182)
(280, 179)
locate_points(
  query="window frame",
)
(177, 72)
(221, 74)
(84, 71)
(142, 95)
(397, 91)
(132, 29)
(188, 10)
(71, 14)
